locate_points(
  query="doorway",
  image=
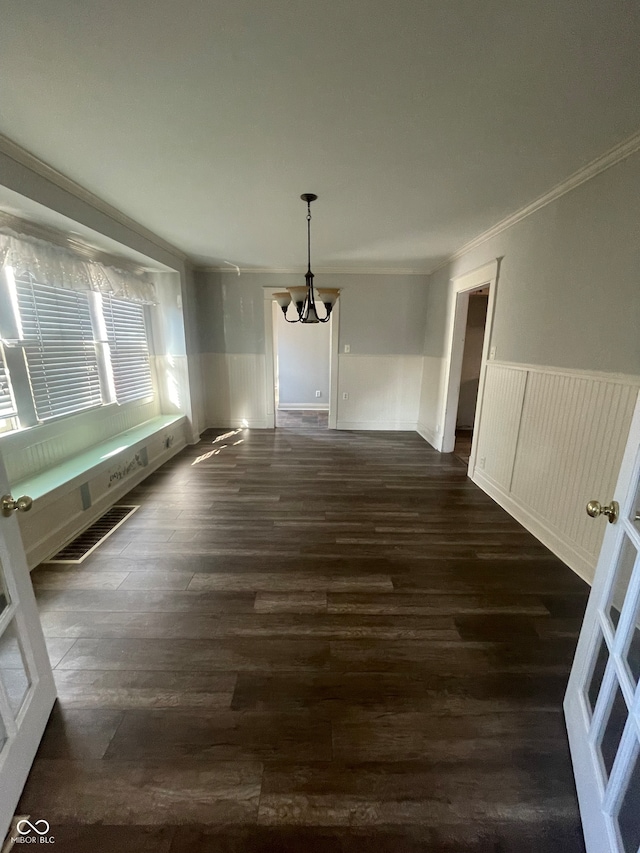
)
(302, 373)
(470, 372)
(464, 378)
(302, 370)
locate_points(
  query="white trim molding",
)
(237, 270)
(460, 288)
(428, 434)
(303, 407)
(16, 152)
(605, 161)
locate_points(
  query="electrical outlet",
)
(318, 393)
(482, 461)
(492, 353)
(345, 395)
(347, 348)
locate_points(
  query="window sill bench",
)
(70, 496)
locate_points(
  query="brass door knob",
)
(9, 505)
(595, 509)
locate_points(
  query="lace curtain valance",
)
(51, 264)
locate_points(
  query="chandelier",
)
(304, 297)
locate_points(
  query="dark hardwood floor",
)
(462, 447)
(326, 642)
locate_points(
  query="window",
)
(8, 410)
(67, 351)
(128, 348)
(59, 348)
(7, 403)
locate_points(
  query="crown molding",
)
(233, 270)
(15, 152)
(614, 155)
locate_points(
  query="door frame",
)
(461, 286)
(270, 355)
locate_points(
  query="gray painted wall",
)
(379, 314)
(569, 288)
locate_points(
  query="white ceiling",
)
(418, 124)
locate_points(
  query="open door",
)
(27, 689)
(602, 704)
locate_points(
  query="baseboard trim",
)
(428, 434)
(561, 547)
(303, 407)
(385, 426)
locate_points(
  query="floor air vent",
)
(83, 545)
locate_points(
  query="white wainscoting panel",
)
(551, 440)
(430, 392)
(384, 391)
(499, 422)
(234, 389)
(572, 439)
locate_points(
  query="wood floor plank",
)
(147, 689)
(281, 581)
(291, 602)
(434, 604)
(337, 627)
(191, 655)
(412, 793)
(129, 625)
(221, 736)
(145, 601)
(137, 792)
(409, 736)
(77, 578)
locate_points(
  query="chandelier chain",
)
(309, 234)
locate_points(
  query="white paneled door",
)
(27, 690)
(602, 704)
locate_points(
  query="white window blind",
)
(127, 338)
(7, 404)
(59, 347)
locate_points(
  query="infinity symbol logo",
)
(32, 826)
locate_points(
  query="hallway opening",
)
(302, 373)
(470, 372)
